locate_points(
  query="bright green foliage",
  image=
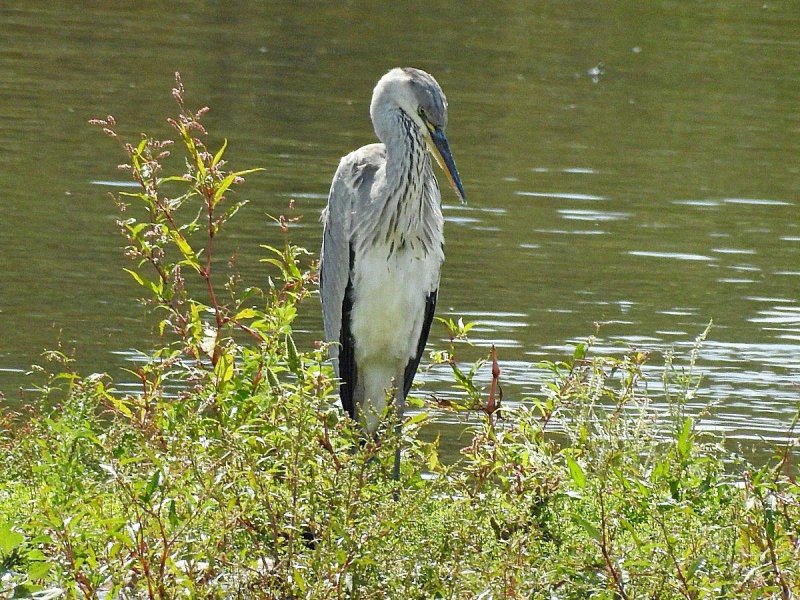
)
(232, 472)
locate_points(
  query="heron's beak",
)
(441, 152)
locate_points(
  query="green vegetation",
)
(231, 471)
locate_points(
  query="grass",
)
(232, 471)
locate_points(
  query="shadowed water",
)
(631, 166)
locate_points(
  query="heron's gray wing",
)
(411, 367)
(350, 190)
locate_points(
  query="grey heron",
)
(383, 246)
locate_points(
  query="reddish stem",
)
(493, 404)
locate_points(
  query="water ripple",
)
(117, 184)
(561, 195)
(671, 255)
(733, 251)
(575, 214)
(757, 202)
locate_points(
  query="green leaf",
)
(152, 486)
(273, 379)
(220, 152)
(246, 313)
(248, 171)
(172, 179)
(223, 187)
(292, 358)
(120, 404)
(186, 250)
(35, 554)
(660, 471)
(172, 514)
(460, 377)
(135, 229)
(195, 320)
(685, 438)
(769, 522)
(414, 402)
(9, 539)
(38, 569)
(223, 370)
(418, 418)
(299, 580)
(696, 565)
(576, 472)
(590, 528)
(233, 209)
(227, 182)
(136, 277)
(27, 590)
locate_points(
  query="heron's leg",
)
(400, 404)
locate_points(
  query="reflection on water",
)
(577, 214)
(560, 195)
(670, 255)
(648, 200)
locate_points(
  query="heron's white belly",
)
(386, 321)
(389, 307)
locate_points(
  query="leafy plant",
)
(232, 472)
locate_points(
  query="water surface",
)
(631, 165)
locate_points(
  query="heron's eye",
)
(421, 112)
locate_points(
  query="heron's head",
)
(419, 96)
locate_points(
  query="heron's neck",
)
(408, 164)
(406, 214)
(406, 154)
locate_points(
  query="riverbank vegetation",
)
(230, 470)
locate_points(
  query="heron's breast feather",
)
(389, 306)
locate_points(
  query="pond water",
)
(632, 164)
